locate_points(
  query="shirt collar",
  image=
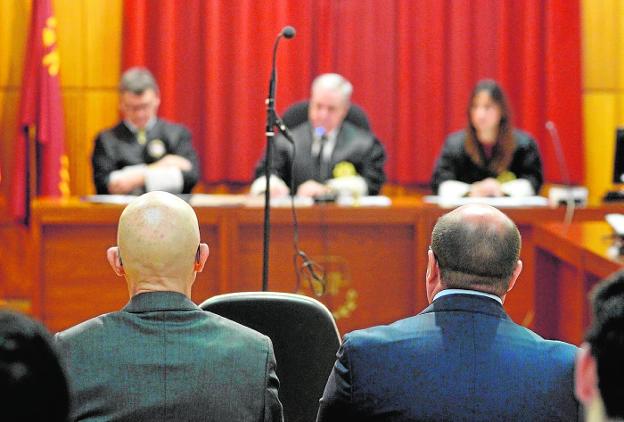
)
(447, 292)
(150, 124)
(159, 301)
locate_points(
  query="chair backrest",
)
(298, 113)
(305, 339)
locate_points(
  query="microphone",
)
(568, 192)
(288, 32)
(554, 136)
(319, 131)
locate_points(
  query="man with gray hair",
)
(332, 154)
(143, 152)
(462, 358)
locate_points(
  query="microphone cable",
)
(308, 268)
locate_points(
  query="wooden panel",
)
(103, 43)
(366, 291)
(618, 13)
(375, 258)
(569, 263)
(74, 109)
(8, 130)
(85, 285)
(600, 124)
(71, 41)
(15, 263)
(599, 44)
(101, 111)
(14, 23)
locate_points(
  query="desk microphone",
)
(563, 170)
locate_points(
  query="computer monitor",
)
(618, 162)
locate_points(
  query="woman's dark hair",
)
(505, 144)
(33, 386)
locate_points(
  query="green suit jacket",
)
(162, 358)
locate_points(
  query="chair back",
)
(297, 113)
(305, 340)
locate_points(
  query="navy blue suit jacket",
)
(462, 358)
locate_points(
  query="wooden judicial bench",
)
(375, 258)
(570, 260)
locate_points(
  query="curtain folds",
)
(412, 64)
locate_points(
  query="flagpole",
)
(31, 174)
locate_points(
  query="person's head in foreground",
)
(158, 245)
(599, 377)
(32, 382)
(474, 247)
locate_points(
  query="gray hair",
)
(138, 80)
(333, 82)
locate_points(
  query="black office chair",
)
(298, 113)
(305, 339)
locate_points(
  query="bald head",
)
(476, 247)
(158, 245)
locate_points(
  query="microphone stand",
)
(271, 122)
(563, 168)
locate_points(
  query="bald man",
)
(161, 357)
(461, 358)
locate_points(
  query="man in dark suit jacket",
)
(331, 154)
(461, 358)
(143, 153)
(161, 357)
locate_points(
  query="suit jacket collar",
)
(149, 126)
(467, 303)
(123, 132)
(159, 301)
(341, 151)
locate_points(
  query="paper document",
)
(499, 202)
(109, 199)
(218, 200)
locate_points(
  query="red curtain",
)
(412, 63)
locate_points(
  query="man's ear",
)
(114, 259)
(433, 283)
(514, 276)
(200, 258)
(585, 376)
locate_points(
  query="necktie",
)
(141, 137)
(321, 163)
